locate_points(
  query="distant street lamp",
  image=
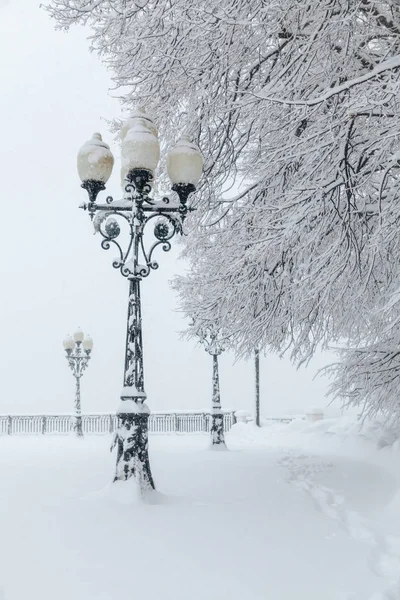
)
(78, 349)
(209, 337)
(140, 156)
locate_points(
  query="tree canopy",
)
(295, 105)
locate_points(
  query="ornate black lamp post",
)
(209, 337)
(140, 156)
(78, 349)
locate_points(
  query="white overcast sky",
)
(54, 275)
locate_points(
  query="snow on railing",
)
(170, 422)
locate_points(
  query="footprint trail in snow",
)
(384, 555)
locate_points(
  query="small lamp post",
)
(209, 337)
(140, 156)
(78, 349)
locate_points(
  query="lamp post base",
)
(78, 430)
(217, 432)
(132, 440)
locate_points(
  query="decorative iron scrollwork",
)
(135, 211)
(162, 230)
(112, 228)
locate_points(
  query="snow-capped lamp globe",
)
(88, 344)
(68, 344)
(140, 151)
(138, 113)
(78, 336)
(185, 167)
(95, 164)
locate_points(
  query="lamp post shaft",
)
(132, 435)
(257, 385)
(78, 413)
(217, 416)
(134, 374)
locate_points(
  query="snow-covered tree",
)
(368, 374)
(369, 377)
(295, 105)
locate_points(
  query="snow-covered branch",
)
(387, 65)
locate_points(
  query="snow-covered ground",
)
(291, 512)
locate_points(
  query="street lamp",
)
(140, 155)
(209, 336)
(78, 349)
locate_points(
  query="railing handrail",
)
(106, 414)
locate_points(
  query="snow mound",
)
(376, 432)
(120, 492)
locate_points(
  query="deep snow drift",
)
(292, 512)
